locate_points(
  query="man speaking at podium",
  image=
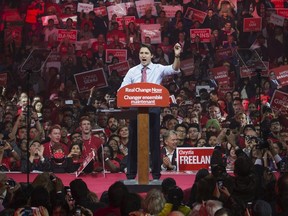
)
(146, 71)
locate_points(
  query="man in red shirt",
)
(90, 142)
(54, 135)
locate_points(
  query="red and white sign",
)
(192, 159)
(252, 24)
(282, 12)
(277, 20)
(143, 95)
(152, 31)
(70, 34)
(121, 54)
(127, 20)
(171, 10)
(220, 75)
(45, 19)
(118, 9)
(246, 72)
(86, 80)
(121, 68)
(3, 79)
(281, 74)
(101, 11)
(203, 34)
(87, 160)
(195, 15)
(86, 8)
(279, 102)
(187, 66)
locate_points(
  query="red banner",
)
(252, 24)
(143, 95)
(203, 34)
(220, 75)
(192, 159)
(279, 102)
(121, 54)
(281, 74)
(71, 35)
(282, 12)
(121, 68)
(278, 3)
(3, 79)
(86, 80)
(187, 66)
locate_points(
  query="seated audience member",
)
(168, 152)
(37, 161)
(193, 135)
(55, 136)
(106, 161)
(75, 154)
(181, 131)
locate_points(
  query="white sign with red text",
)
(45, 19)
(121, 54)
(86, 8)
(276, 19)
(118, 9)
(151, 31)
(144, 5)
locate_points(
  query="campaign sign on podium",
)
(143, 96)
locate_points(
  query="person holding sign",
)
(146, 71)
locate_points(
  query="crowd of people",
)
(47, 125)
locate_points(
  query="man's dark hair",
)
(148, 47)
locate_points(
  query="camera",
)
(10, 183)
(28, 211)
(220, 184)
(78, 211)
(2, 143)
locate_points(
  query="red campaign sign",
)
(223, 89)
(101, 11)
(121, 54)
(204, 34)
(247, 72)
(252, 24)
(127, 20)
(70, 34)
(282, 12)
(279, 101)
(187, 66)
(3, 79)
(220, 75)
(121, 68)
(191, 158)
(278, 3)
(195, 15)
(281, 74)
(87, 160)
(223, 54)
(86, 80)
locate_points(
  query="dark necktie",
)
(144, 74)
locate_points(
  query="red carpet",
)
(98, 183)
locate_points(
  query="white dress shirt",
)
(155, 74)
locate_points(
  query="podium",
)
(143, 96)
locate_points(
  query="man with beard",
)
(112, 126)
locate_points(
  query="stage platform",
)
(98, 182)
